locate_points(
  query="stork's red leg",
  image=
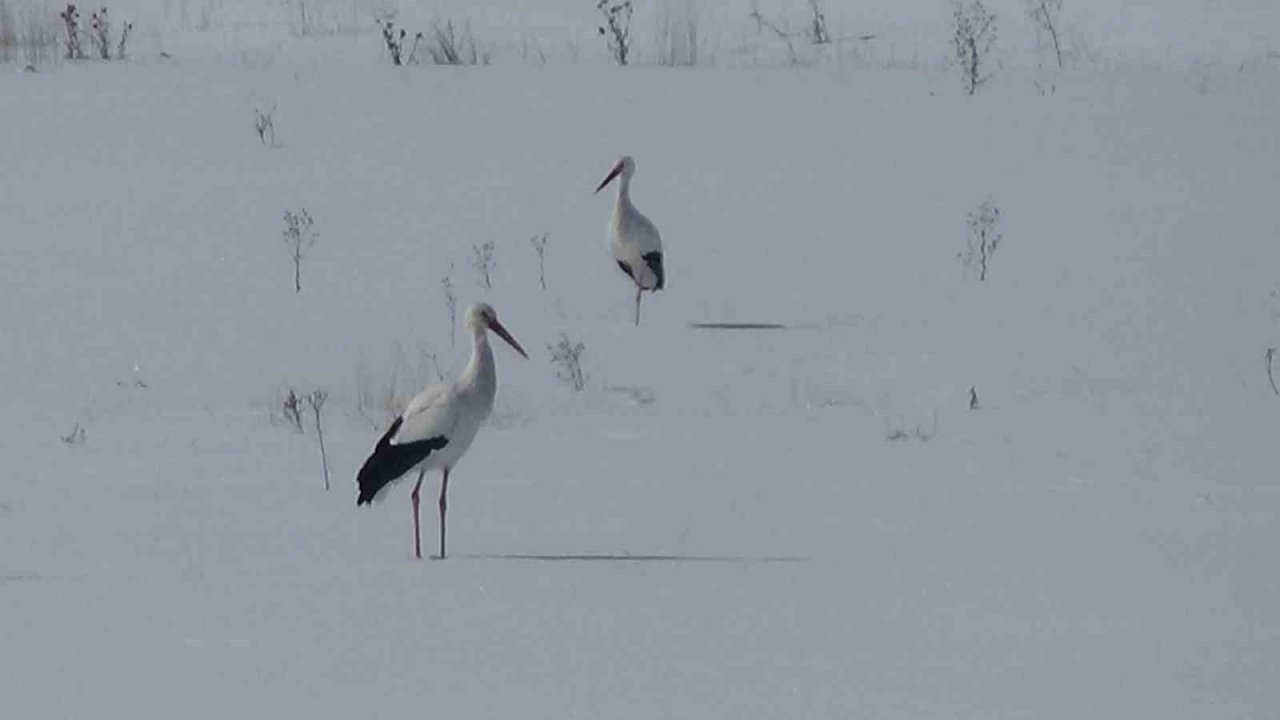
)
(444, 505)
(417, 533)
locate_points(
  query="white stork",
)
(635, 241)
(437, 427)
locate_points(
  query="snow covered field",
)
(802, 522)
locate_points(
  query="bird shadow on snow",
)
(742, 560)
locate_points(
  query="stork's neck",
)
(480, 376)
(624, 193)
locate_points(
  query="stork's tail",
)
(654, 261)
(389, 462)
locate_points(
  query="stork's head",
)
(482, 316)
(625, 167)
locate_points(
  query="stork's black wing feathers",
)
(654, 261)
(626, 269)
(389, 462)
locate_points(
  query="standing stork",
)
(437, 427)
(635, 241)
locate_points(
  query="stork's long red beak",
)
(496, 326)
(609, 178)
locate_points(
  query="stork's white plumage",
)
(635, 241)
(438, 425)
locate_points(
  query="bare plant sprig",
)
(483, 261)
(75, 437)
(450, 46)
(299, 234)
(539, 243)
(451, 303)
(304, 27)
(38, 42)
(677, 35)
(1271, 378)
(291, 409)
(1045, 14)
(394, 38)
(71, 21)
(783, 33)
(763, 23)
(616, 27)
(8, 37)
(896, 432)
(975, 35)
(316, 400)
(265, 125)
(984, 239)
(124, 40)
(818, 34)
(567, 357)
(100, 35)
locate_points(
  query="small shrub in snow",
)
(763, 23)
(448, 46)
(8, 34)
(539, 243)
(265, 125)
(71, 21)
(451, 304)
(1046, 88)
(483, 261)
(532, 52)
(975, 35)
(382, 396)
(304, 27)
(898, 432)
(299, 235)
(567, 358)
(1271, 378)
(291, 411)
(124, 39)
(616, 28)
(75, 437)
(316, 400)
(39, 41)
(394, 38)
(1045, 15)
(100, 34)
(817, 28)
(984, 239)
(677, 35)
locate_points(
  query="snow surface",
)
(720, 525)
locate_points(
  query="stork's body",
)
(636, 244)
(439, 424)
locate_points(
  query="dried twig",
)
(316, 401)
(75, 437)
(539, 243)
(451, 302)
(299, 236)
(1271, 354)
(292, 410)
